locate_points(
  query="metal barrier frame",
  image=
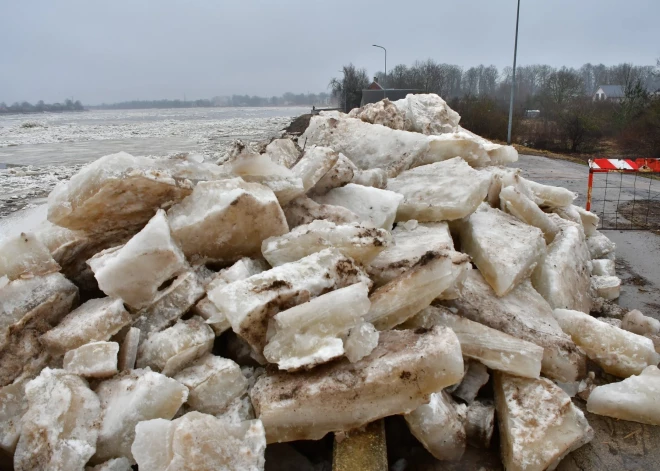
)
(647, 167)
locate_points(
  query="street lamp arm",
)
(376, 45)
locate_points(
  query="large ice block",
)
(455, 144)
(170, 304)
(250, 303)
(225, 220)
(428, 114)
(341, 173)
(96, 320)
(607, 287)
(539, 425)
(600, 246)
(376, 177)
(361, 243)
(361, 341)
(603, 267)
(92, 360)
(397, 377)
(117, 190)
(13, 405)
(548, 196)
(497, 153)
(636, 322)
(24, 256)
(634, 398)
(315, 162)
(28, 308)
(135, 271)
(412, 291)
(128, 399)
(442, 191)
(199, 442)
(304, 210)
(411, 242)
(495, 349)
(562, 278)
(523, 314)
(505, 250)
(61, 424)
(440, 426)
(517, 204)
(367, 145)
(372, 205)
(259, 168)
(172, 349)
(382, 112)
(617, 351)
(311, 333)
(213, 382)
(283, 152)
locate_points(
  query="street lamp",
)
(376, 45)
(343, 87)
(513, 78)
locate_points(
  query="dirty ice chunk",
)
(562, 278)
(475, 377)
(480, 423)
(617, 351)
(455, 144)
(442, 191)
(311, 333)
(357, 241)
(599, 245)
(636, 322)
(135, 271)
(520, 206)
(367, 145)
(314, 164)
(115, 464)
(199, 442)
(497, 153)
(548, 196)
(213, 382)
(117, 190)
(607, 287)
(128, 350)
(13, 404)
(410, 244)
(376, 177)
(495, 349)
(634, 398)
(304, 210)
(128, 399)
(170, 304)
(383, 112)
(539, 425)
(96, 320)
(440, 426)
(523, 314)
(60, 426)
(92, 360)
(249, 303)
(395, 378)
(28, 308)
(24, 255)
(361, 341)
(412, 291)
(505, 250)
(340, 174)
(373, 205)
(283, 152)
(256, 168)
(170, 350)
(603, 267)
(589, 221)
(428, 114)
(225, 220)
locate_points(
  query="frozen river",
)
(37, 151)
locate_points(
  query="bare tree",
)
(348, 90)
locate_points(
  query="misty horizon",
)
(123, 51)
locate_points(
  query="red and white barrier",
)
(650, 165)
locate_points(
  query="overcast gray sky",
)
(107, 51)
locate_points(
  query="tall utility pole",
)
(513, 78)
(344, 90)
(376, 45)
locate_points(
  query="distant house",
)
(609, 93)
(532, 113)
(374, 85)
